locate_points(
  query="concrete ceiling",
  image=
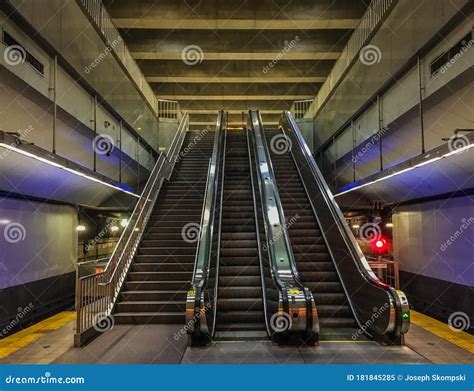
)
(236, 55)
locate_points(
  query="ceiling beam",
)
(234, 79)
(228, 56)
(234, 97)
(234, 24)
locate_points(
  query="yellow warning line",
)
(460, 338)
(31, 334)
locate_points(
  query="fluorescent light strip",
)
(51, 163)
(407, 169)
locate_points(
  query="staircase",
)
(240, 307)
(160, 275)
(313, 260)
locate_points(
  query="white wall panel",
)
(422, 239)
(49, 243)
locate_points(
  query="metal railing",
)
(96, 294)
(376, 12)
(92, 266)
(169, 109)
(103, 22)
(386, 270)
(299, 107)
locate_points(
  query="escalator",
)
(159, 277)
(240, 304)
(313, 259)
(244, 284)
(352, 303)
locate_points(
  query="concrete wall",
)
(27, 99)
(447, 98)
(66, 28)
(409, 26)
(168, 130)
(306, 127)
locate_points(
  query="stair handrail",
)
(96, 294)
(395, 305)
(295, 298)
(198, 307)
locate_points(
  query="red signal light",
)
(380, 245)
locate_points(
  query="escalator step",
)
(240, 304)
(314, 262)
(241, 292)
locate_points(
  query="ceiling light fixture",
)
(407, 169)
(54, 164)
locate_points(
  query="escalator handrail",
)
(293, 277)
(255, 190)
(222, 157)
(333, 207)
(204, 245)
(197, 308)
(352, 245)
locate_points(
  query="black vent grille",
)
(23, 54)
(451, 54)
